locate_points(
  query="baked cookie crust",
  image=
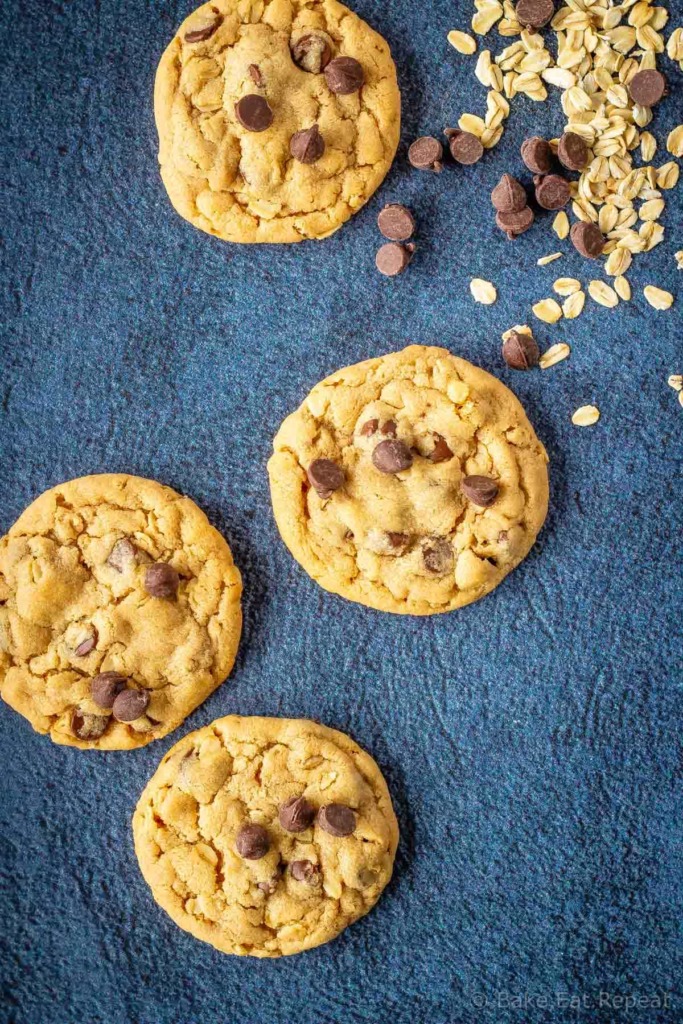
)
(75, 605)
(245, 186)
(409, 540)
(302, 883)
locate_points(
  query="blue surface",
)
(532, 742)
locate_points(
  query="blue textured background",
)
(532, 742)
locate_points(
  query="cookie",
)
(412, 483)
(119, 612)
(266, 836)
(276, 121)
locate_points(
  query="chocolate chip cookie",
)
(412, 483)
(277, 121)
(266, 836)
(119, 612)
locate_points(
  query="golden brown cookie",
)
(266, 836)
(277, 121)
(412, 483)
(119, 611)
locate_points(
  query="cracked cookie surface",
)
(246, 186)
(240, 837)
(119, 611)
(413, 483)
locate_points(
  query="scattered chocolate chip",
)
(392, 457)
(509, 196)
(87, 645)
(647, 88)
(308, 145)
(535, 13)
(587, 239)
(515, 224)
(161, 580)
(437, 555)
(337, 819)
(572, 152)
(480, 490)
(426, 154)
(106, 687)
(312, 53)
(388, 428)
(255, 75)
(129, 705)
(296, 815)
(344, 75)
(369, 428)
(393, 258)
(325, 476)
(88, 727)
(440, 452)
(552, 191)
(198, 35)
(465, 147)
(396, 222)
(303, 870)
(252, 842)
(537, 154)
(254, 113)
(520, 351)
(122, 555)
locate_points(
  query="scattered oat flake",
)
(561, 225)
(462, 42)
(573, 306)
(675, 381)
(566, 286)
(601, 293)
(658, 298)
(483, 291)
(545, 260)
(675, 141)
(586, 416)
(555, 354)
(679, 259)
(622, 287)
(548, 310)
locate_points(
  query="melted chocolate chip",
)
(437, 555)
(129, 705)
(307, 146)
(198, 35)
(87, 645)
(106, 687)
(325, 476)
(337, 820)
(252, 842)
(369, 428)
(254, 113)
(440, 452)
(296, 815)
(255, 75)
(392, 457)
(303, 870)
(88, 727)
(312, 53)
(344, 75)
(122, 555)
(480, 490)
(162, 580)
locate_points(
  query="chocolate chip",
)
(369, 428)
(344, 75)
(325, 476)
(647, 88)
(106, 687)
(337, 819)
(388, 428)
(198, 35)
(270, 886)
(398, 540)
(296, 815)
(88, 727)
(162, 580)
(312, 53)
(535, 13)
(87, 645)
(396, 222)
(303, 870)
(588, 239)
(515, 224)
(437, 555)
(552, 191)
(520, 351)
(122, 555)
(465, 147)
(252, 842)
(392, 457)
(253, 113)
(509, 196)
(480, 490)
(537, 154)
(426, 154)
(255, 75)
(393, 258)
(441, 452)
(308, 145)
(129, 705)
(572, 152)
